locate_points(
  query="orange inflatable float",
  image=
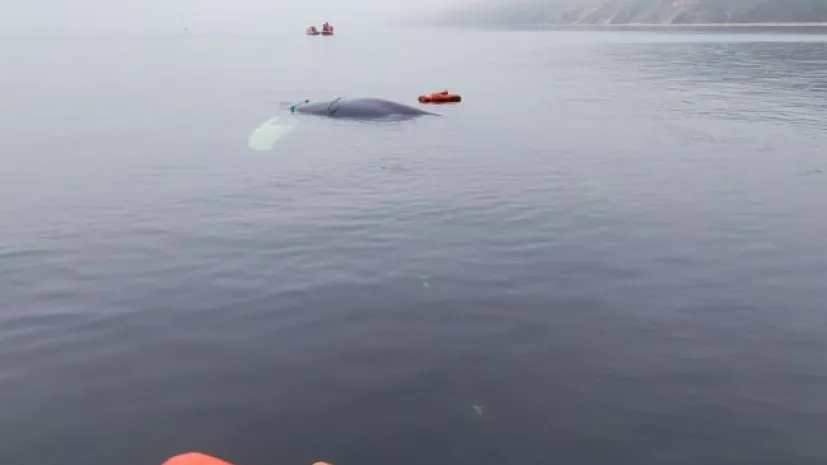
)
(440, 97)
(197, 458)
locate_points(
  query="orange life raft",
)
(440, 97)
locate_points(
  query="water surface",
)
(616, 246)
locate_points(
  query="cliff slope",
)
(516, 12)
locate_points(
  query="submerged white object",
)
(477, 409)
(264, 137)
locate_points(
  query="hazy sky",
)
(225, 15)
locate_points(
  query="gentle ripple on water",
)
(621, 258)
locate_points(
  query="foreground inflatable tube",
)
(360, 108)
(197, 458)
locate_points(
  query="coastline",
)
(824, 24)
(558, 26)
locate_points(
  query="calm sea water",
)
(613, 252)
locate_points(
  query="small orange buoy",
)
(440, 97)
(195, 458)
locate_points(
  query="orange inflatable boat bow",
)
(440, 97)
(197, 458)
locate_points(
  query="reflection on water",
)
(733, 79)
